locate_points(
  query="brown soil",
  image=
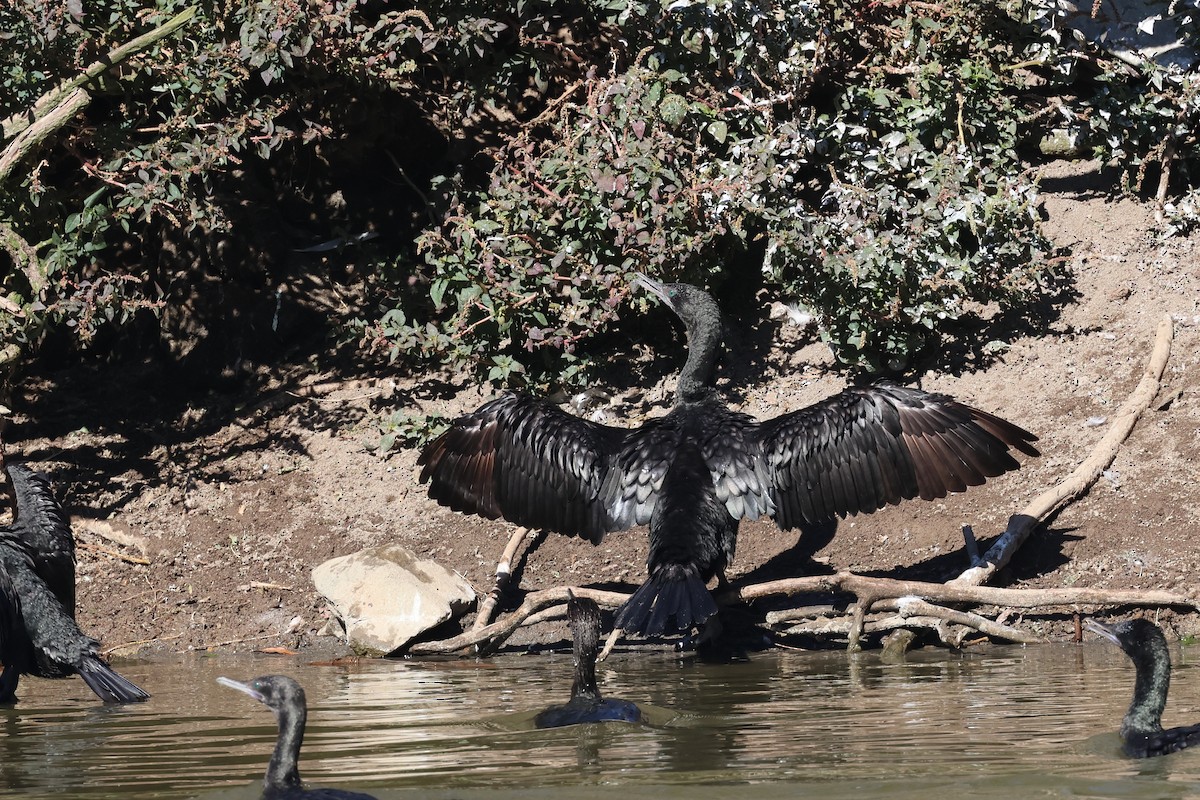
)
(232, 499)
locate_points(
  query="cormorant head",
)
(583, 615)
(695, 307)
(1141, 639)
(276, 692)
(701, 316)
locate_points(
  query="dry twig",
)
(95, 548)
(110, 650)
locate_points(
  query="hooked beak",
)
(242, 687)
(654, 287)
(1103, 630)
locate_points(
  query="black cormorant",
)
(42, 525)
(696, 472)
(285, 698)
(586, 704)
(1142, 733)
(38, 634)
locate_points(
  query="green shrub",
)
(874, 166)
(859, 158)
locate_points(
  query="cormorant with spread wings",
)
(696, 472)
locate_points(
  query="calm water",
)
(995, 722)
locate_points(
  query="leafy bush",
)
(519, 160)
(927, 214)
(1136, 108)
(197, 156)
(875, 167)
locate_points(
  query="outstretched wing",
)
(868, 447)
(535, 465)
(41, 525)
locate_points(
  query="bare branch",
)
(29, 138)
(1050, 502)
(53, 99)
(954, 592)
(490, 637)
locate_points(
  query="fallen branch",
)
(503, 575)
(488, 638)
(909, 598)
(1021, 524)
(912, 607)
(952, 592)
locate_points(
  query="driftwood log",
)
(885, 604)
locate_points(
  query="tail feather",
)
(672, 600)
(108, 685)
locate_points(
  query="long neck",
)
(584, 650)
(282, 772)
(1149, 694)
(704, 345)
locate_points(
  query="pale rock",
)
(384, 597)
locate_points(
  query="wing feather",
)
(730, 450)
(868, 447)
(524, 460)
(533, 464)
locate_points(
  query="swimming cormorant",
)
(586, 704)
(38, 633)
(285, 698)
(1142, 733)
(696, 472)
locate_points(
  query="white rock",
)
(386, 596)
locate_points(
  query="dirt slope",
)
(233, 499)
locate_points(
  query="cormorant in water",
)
(696, 472)
(38, 634)
(1141, 731)
(586, 704)
(285, 698)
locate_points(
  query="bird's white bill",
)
(241, 687)
(1101, 629)
(654, 287)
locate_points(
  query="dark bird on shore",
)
(37, 599)
(1142, 733)
(586, 703)
(696, 472)
(42, 525)
(286, 699)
